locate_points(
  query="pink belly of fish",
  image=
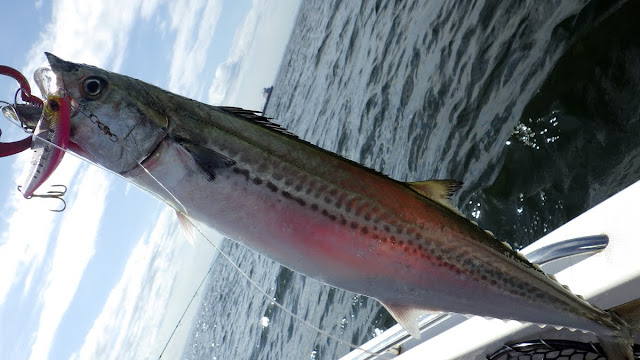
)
(337, 250)
(342, 247)
(298, 229)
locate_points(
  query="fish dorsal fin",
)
(187, 226)
(439, 191)
(256, 118)
(407, 317)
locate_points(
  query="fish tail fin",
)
(619, 346)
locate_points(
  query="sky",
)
(111, 275)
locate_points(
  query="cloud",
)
(38, 244)
(23, 244)
(191, 47)
(159, 278)
(258, 46)
(74, 247)
(232, 68)
(116, 331)
(93, 32)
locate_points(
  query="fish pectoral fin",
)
(187, 226)
(439, 191)
(209, 161)
(407, 317)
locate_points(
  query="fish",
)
(322, 215)
(52, 129)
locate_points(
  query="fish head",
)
(116, 121)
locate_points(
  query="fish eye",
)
(93, 86)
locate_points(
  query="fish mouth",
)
(50, 83)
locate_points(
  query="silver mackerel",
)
(329, 218)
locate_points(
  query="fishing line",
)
(280, 306)
(227, 257)
(248, 278)
(185, 310)
(256, 286)
(111, 137)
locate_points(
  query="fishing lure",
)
(50, 140)
(50, 136)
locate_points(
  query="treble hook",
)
(51, 194)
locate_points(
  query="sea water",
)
(533, 105)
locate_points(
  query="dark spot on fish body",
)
(312, 185)
(298, 187)
(324, 212)
(349, 205)
(286, 194)
(364, 230)
(272, 187)
(354, 225)
(332, 217)
(327, 199)
(242, 172)
(314, 207)
(301, 202)
(387, 228)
